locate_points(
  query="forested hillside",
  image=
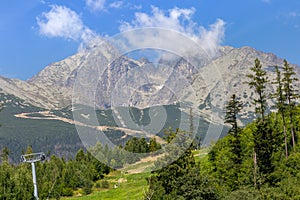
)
(258, 161)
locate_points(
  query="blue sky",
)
(35, 33)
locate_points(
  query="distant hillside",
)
(43, 135)
(61, 138)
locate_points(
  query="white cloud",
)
(116, 4)
(174, 20)
(211, 38)
(180, 20)
(95, 5)
(63, 22)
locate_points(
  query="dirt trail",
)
(50, 116)
(142, 168)
(200, 154)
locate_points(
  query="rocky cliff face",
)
(39, 96)
(227, 76)
(140, 83)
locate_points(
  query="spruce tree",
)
(5, 154)
(263, 148)
(290, 94)
(1, 107)
(153, 145)
(233, 108)
(180, 179)
(280, 104)
(258, 82)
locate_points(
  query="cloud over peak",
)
(174, 19)
(180, 20)
(63, 22)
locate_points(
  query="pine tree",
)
(233, 108)
(5, 154)
(290, 95)
(181, 179)
(263, 135)
(29, 150)
(153, 145)
(1, 107)
(264, 147)
(258, 81)
(143, 146)
(191, 121)
(280, 104)
(80, 156)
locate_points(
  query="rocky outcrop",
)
(140, 83)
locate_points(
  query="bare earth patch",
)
(49, 116)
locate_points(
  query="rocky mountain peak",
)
(172, 80)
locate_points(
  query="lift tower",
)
(32, 158)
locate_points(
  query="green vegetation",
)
(250, 162)
(56, 177)
(136, 145)
(117, 157)
(131, 186)
(258, 161)
(60, 138)
(181, 179)
(269, 156)
(43, 135)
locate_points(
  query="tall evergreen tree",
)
(258, 82)
(5, 154)
(290, 94)
(180, 179)
(197, 139)
(1, 107)
(233, 108)
(280, 104)
(263, 135)
(153, 145)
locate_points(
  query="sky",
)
(36, 33)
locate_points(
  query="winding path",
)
(47, 115)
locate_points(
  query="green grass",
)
(134, 186)
(145, 166)
(200, 154)
(132, 189)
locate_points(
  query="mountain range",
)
(137, 83)
(212, 84)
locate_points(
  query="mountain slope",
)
(126, 83)
(232, 67)
(146, 84)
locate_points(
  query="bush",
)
(98, 185)
(105, 184)
(87, 188)
(67, 192)
(246, 194)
